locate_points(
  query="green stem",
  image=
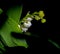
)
(55, 44)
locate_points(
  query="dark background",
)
(50, 29)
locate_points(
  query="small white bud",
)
(28, 24)
(29, 19)
(24, 29)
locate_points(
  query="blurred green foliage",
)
(11, 25)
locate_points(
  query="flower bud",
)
(27, 24)
(29, 19)
(43, 20)
(41, 14)
(24, 29)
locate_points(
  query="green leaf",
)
(20, 42)
(15, 13)
(2, 46)
(11, 25)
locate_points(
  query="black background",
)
(50, 29)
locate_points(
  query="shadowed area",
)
(3, 19)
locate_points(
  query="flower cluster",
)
(26, 24)
(26, 21)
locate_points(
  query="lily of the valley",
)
(27, 24)
(27, 21)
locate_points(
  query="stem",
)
(55, 44)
